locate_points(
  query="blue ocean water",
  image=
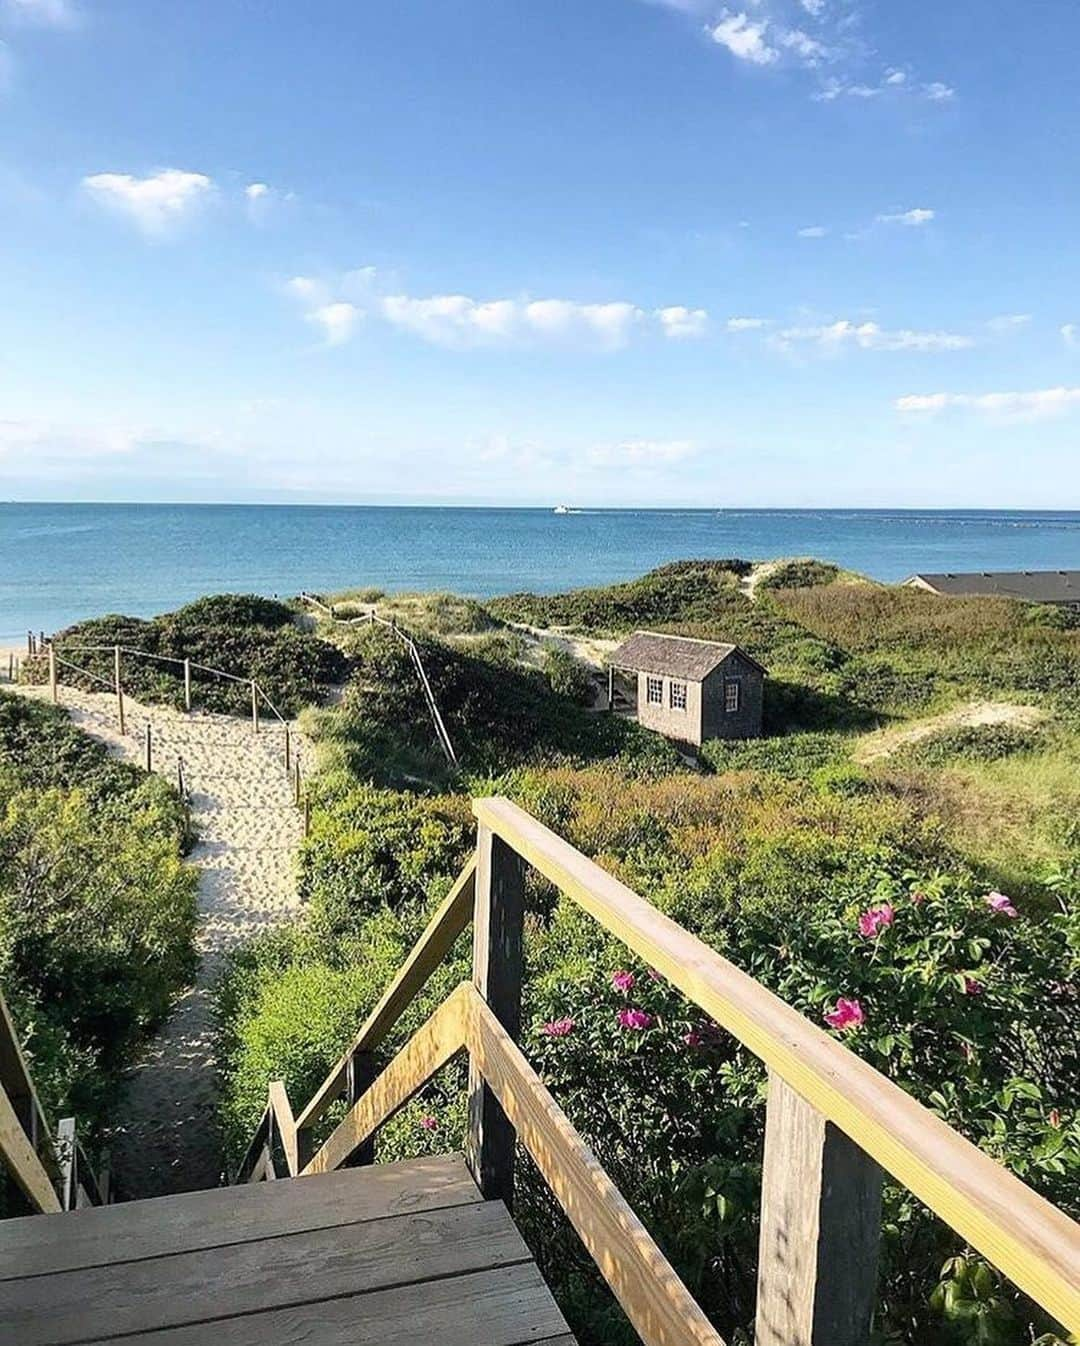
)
(60, 563)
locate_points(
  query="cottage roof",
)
(1032, 586)
(676, 656)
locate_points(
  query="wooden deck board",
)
(38, 1244)
(399, 1254)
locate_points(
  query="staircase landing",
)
(395, 1254)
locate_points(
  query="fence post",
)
(498, 922)
(187, 685)
(119, 688)
(359, 1076)
(180, 787)
(30, 642)
(296, 783)
(288, 751)
(52, 675)
(254, 706)
(820, 1229)
(149, 749)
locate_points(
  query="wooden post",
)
(359, 1076)
(29, 642)
(498, 923)
(254, 706)
(52, 676)
(820, 1230)
(187, 685)
(119, 688)
(180, 787)
(296, 783)
(307, 817)
(149, 749)
(288, 751)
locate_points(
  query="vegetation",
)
(243, 635)
(97, 909)
(822, 872)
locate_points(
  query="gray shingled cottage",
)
(691, 690)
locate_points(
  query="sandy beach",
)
(165, 1138)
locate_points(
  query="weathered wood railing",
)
(51, 1174)
(833, 1122)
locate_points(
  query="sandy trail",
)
(884, 742)
(166, 1137)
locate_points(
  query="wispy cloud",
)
(641, 453)
(47, 13)
(458, 320)
(746, 324)
(844, 334)
(157, 203)
(1008, 322)
(813, 231)
(893, 82)
(1040, 404)
(913, 219)
(1070, 334)
(745, 38)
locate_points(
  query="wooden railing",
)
(51, 1174)
(833, 1122)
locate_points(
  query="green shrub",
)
(568, 677)
(242, 635)
(970, 743)
(800, 574)
(790, 755)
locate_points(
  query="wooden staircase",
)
(318, 1246)
(397, 1254)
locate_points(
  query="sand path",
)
(166, 1137)
(884, 742)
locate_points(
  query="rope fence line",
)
(45, 647)
(370, 618)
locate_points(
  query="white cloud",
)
(813, 231)
(641, 453)
(744, 38)
(894, 78)
(458, 320)
(809, 49)
(937, 92)
(679, 322)
(254, 191)
(869, 336)
(155, 203)
(1037, 405)
(1070, 334)
(814, 7)
(746, 324)
(914, 219)
(336, 320)
(1009, 322)
(49, 13)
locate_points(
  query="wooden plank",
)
(214, 1283)
(1034, 1244)
(510, 1306)
(820, 1230)
(21, 1161)
(38, 1244)
(498, 927)
(450, 919)
(279, 1105)
(643, 1281)
(426, 1052)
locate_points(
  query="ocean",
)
(60, 563)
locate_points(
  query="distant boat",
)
(563, 509)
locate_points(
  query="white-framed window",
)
(732, 695)
(654, 691)
(677, 697)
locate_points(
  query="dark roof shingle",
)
(677, 656)
(1031, 586)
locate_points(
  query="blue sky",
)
(769, 252)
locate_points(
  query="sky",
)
(795, 253)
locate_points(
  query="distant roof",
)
(677, 656)
(1032, 586)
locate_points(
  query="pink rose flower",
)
(558, 1028)
(1055, 1118)
(692, 1039)
(918, 898)
(1001, 904)
(635, 1019)
(847, 1014)
(876, 919)
(429, 1123)
(972, 986)
(623, 981)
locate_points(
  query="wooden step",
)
(397, 1253)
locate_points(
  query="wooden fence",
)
(833, 1122)
(49, 1173)
(371, 618)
